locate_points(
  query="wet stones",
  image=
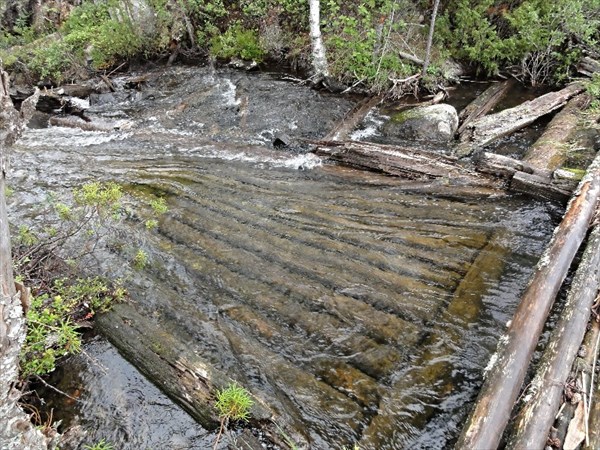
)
(436, 123)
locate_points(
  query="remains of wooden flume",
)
(191, 382)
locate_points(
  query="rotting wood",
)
(404, 162)
(173, 366)
(484, 103)
(73, 122)
(503, 381)
(494, 126)
(594, 412)
(549, 151)
(588, 66)
(543, 397)
(539, 187)
(493, 172)
(527, 179)
(343, 129)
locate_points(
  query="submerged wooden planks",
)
(503, 381)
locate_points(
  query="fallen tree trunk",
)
(588, 66)
(527, 179)
(494, 404)
(544, 394)
(176, 369)
(489, 128)
(484, 103)
(549, 151)
(352, 119)
(594, 411)
(403, 162)
(414, 164)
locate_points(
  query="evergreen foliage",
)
(372, 43)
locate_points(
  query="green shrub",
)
(234, 403)
(535, 36)
(237, 41)
(52, 330)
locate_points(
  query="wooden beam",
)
(406, 162)
(549, 152)
(494, 126)
(484, 103)
(544, 394)
(503, 381)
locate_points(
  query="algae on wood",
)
(549, 151)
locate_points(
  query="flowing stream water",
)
(360, 307)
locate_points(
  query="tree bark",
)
(544, 394)
(405, 162)
(503, 382)
(549, 151)
(489, 128)
(588, 66)
(436, 4)
(484, 103)
(16, 430)
(343, 129)
(319, 57)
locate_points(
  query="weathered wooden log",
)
(503, 382)
(539, 186)
(549, 151)
(404, 162)
(544, 394)
(176, 369)
(594, 412)
(500, 165)
(489, 128)
(588, 66)
(343, 129)
(55, 101)
(484, 103)
(527, 179)
(74, 122)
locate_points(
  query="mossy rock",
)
(436, 123)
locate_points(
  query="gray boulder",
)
(436, 123)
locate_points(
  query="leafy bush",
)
(233, 403)
(52, 321)
(237, 41)
(48, 258)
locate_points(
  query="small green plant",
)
(233, 403)
(159, 205)
(100, 445)
(140, 260)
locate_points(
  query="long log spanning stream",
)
(357, 309)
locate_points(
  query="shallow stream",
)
(360, 307)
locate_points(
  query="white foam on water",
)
(372, 124)
(229, 92)
(72, 137)
(271, 159)
(80, 102)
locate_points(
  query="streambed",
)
(360, 308)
